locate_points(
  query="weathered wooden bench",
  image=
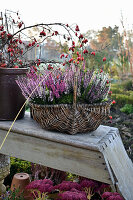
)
(99, 155)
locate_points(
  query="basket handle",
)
(75, 88)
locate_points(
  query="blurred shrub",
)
(17, 166)
(128, 109)
(122, 99)
(117, 90)
(127, 85)
(122, 93)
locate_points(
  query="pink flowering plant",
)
(84, 189)
(53, 85)
(56, 84)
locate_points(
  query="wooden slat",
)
(65, 157)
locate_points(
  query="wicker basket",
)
(67, 118)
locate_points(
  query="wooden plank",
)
(28, 126)
(83, 162)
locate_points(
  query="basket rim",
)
(66, 105)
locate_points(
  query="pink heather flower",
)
(84, 65)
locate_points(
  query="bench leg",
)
(120, 164)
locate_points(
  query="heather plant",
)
(57, 86)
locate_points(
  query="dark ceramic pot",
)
(11, 98)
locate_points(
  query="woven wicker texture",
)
(66, 118)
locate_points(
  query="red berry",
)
(9, 36)
(85, 51)
(20, 24)
(110, 92)
(77, 53)
(42, 33)
(9, 49)
(93, 53)
(77, 28)
(73, 42)
(81, 36)
(104, 59)
(56, 32)
(110, 117)
(34, 68)
(20, 41)
(29, 45)
(113, 102)
(85, 41)
(3, 65)
(33, 43)
(62, 55)
(72, 49)
(79, 58)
